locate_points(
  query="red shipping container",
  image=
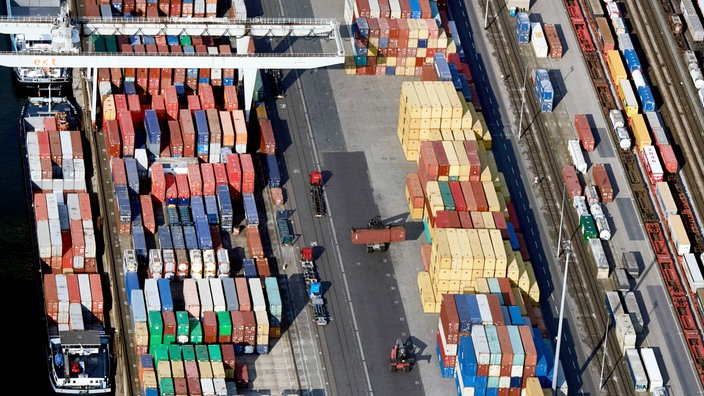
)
(495, 308)
(601, 179)
(507, 291)
(55, 146)
(367, 235)
(428, 168)
(234, 174)
(158, 182)
(480, 198)
(250, 327)
(175, 8)
(182, 186)
(154, 79)
(169, 320)
(384, 12)
(210, 327)
(531, 358)
(513, 216)
(241, 376)
(268, 142)
(584, 132)
(243, 297)
(119, 177)
(415, 191)
(572, 183)
(465, 220)
(447, 360)
(449, 319)
(231, 100)
(425, 252)
(74, 292)
(443, 163)
(263, 269)
(363, 9)
(441, 220)
(205, 94)
(194, 388)
(188, 132)
(40, 209)
(475, 166)
(216, 237)
(477, 220)
(77, 241)
(112, 138)
(457, 196)
(220, 174)
(171, 102)
(175, 139)
(120, 102)
(51, 297)
(454, 219)
(248, 174)
(44, 146)
(148, 219)
(195, 181)
(669, 159)
(468, 195)
(500, 224)
(525, 255)
(208, 175)
(135, 108)
(213, 117)
(254, 242)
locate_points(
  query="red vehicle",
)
(316, 193)
(400, 357)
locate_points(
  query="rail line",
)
(591, 314)
(670, 265)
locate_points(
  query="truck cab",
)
(129, 261)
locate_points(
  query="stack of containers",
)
(275, 304)
(543, 89)
(398, 40)
(523, 26)
(433, 110)
(73, 301)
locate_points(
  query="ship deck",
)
(33, 8)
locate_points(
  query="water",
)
(22, 329)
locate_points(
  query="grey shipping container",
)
(177, 237)
(164, 234)
(621, 280)
(630, 263)
(189, 234)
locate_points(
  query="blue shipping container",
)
(153, 132)
(131, 283)
(211, 209)
(139, 242)
(362, 27)
(129, 87)
(205, 240)
(132, 175)
(632, 61)
(273, 167)
(164, 234)
(523, 27)
(415, 9)
(250, 208)
(442, 69)
(189, 234)
(647, 101)
(138, 307)
(463, 313)
(515, 312)
(475, 316)
(512, 237)
(505, 315)
(177, 237)
(249, 268)
(467, 360)
(164, 286)
(446, 372)
(197, 208)
(135, 210)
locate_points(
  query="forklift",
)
(401, 357)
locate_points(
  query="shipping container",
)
(538, 40)
(599, 256)
(543, 89)
(606, 39)
(601, 179)
(628, 97)
(637, 371)
(666, 201)
(584, 131)
(694, 24)
(652, 164)
(523, 27)
(693, 272)
(652, 369)
(616, 68)
(630, 263)
(575, 151)
(554, 41)
(572, 183)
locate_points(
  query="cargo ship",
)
(62, 38)
(78, 346)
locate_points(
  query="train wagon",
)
(606, 39)
(616, 67)
(628, 97)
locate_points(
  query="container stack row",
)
(397, 38)
(74, 302)
(490, 344)
(236, 9)
(542, 37)
(435, 110)
(56, 158)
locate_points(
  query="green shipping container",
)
(188, 352)
(202, 353)
(588, 228)
(175, 352)
(166, 386)
(185, 40)
(224, 324)
(214, 352)
(98, 43)
(183, 329)
(161, 355)
(446, 195)
(196, 331)
(110, 44)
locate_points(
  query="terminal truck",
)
(313, 287)
(316, 193)
(377, 236)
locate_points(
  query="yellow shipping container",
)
(438, 274)
(469, 114)
(178, 371)
(466, 275)
(204, 369)
(427, 295)
(523, 277)
(467, 257)
(478, 272)
(441, 90)
(518, 296)
(440, 252)
(461, 153)
(679, 234)
(615, 63)
(458, 110)
(435, 106)
(532, 384)
(628, 97)
(499, 273)
(451, 158)
(476, 246)
(641, 134)
(446, 134)
(350, 67)
(391, 61)
(488, 220)
(511, 263)
(218, 369)
(423, 99)
(480, 129)
(487, 249)
(492, 198)
(534, 290)
(469, 135)
(109, 108)
(494, 169)
(164, 369)
(499, 249)
(455, 248)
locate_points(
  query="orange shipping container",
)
(554, 42)
(243, 297)
(254, 242)
(148, 213)
(584, 131)
(268, 143)
(240, 125)
(601, 179)
(415, 192)
(228, 130)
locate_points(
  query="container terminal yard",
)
(501, 163)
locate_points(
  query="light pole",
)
(486, 15)
(568, 251)
(562, 217)
(523, 103)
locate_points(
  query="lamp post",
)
(523, 103)
(568, 251)
(562, 217)
(606, 348)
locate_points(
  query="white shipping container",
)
(169, 260)
(448, 348)
(612, 10)
(637, 371)
(190, 298)
(56, 242)
(613, 303)
(575, 150)
(374, 11)
(220, 386)
(665, 199)
(602, 225)
(395, 7)
(580, 204)
(196, 263)
(74, 207)
(619, 26)
(57, 185)
(223, 263)
(538, 40)
(653, 162)
(693, 272)
(79, 184)
(52, 206)
(697, 77)
(198, 8)
(206, 297)
(495, 370)
(66, 147)
(218, 293)
(44, 239)
(151, 295)
(592, 194)
(257, 293)
(632, 308)
(484, 310)
(140, 154)
(89, 238)
(209, 263)
(79, 262)
(32, 142)
(625, 333)
(230, 291)
(156, 264)
(652, 369)
(481, 345)
(206, 387)
(602, 263)
(76, 316)
(84, 288)
(214, 148)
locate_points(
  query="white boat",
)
(62, 38)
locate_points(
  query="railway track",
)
(582, 282)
